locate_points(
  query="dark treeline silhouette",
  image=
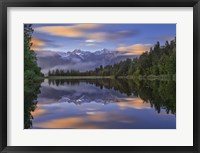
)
(160, 60)
(31, 78)
(160, 94)
(31, 69)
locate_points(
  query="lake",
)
(104, 104)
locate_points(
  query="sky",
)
(131, 39)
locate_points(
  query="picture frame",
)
(99, 3)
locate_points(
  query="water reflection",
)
(31, 90)
(106, 104)
(160, 94)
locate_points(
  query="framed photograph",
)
(109, 76)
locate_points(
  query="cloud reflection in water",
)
(71, 106)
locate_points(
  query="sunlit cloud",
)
(86, 122)
(38, 112)
(136, 49)
(81, 31)
(76, 30)
(135, 103)
(100, 116)
(71, 122)
(60, 31)
(37, 44)
(94, 36)
(44, 44)
(63, 123)
(98, 36)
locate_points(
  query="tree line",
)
(159, 60)
(32, 73)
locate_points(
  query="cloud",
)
(136, 49)
(81, 31)
(67, 31)
(60, 31)
(90, 41)
(163, 38)
(90, 44)
(87, 26)
(38, 112)
(88, 121)
(102, 36)
(37, 43)
(45, 53)
(135, 103)
(64, 123)
(41, 44)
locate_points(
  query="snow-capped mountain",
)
(101, 99)
(78, 59)
(77, 53)
(103, 51)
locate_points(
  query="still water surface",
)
(105, 104)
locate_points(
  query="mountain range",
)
(78, 59)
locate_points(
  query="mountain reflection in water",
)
(105, 104)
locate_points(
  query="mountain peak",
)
(77, 51)
(79, 60)
(105, 50)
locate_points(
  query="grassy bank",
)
(150, 77)
(158, 77)
(80, 77)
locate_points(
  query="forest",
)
(32, 77)
(158, 61)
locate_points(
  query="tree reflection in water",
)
(160, 94)
(31, 91)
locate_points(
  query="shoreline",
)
(150, 77)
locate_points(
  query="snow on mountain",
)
(77, 53)
(103, 51)
(78, 59)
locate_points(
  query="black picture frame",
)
(4, 4)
